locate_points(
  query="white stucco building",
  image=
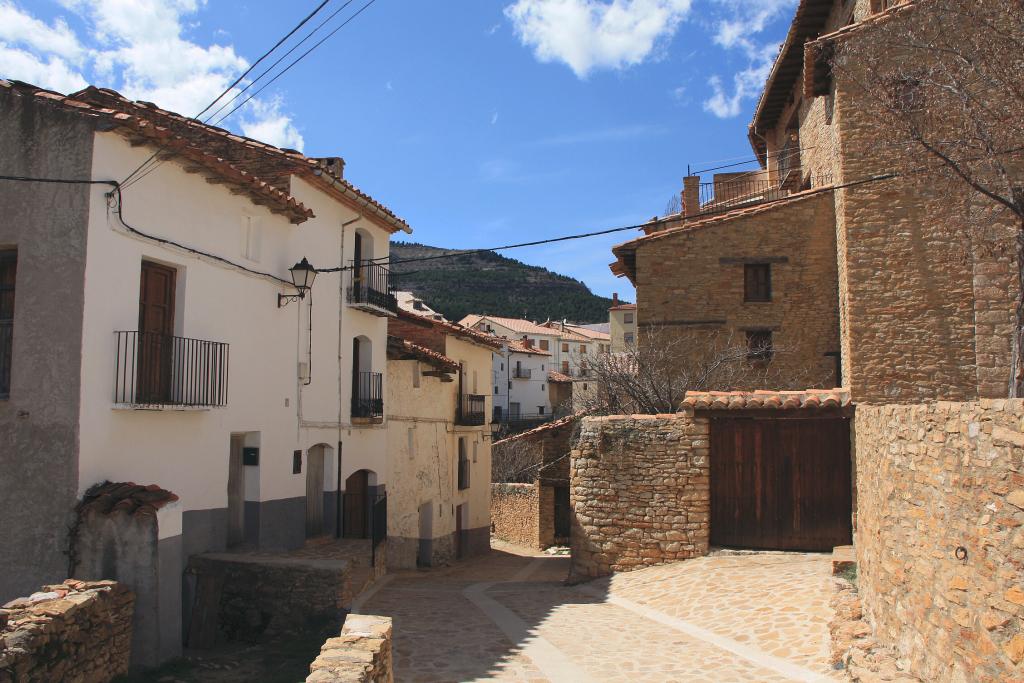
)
(187, 358)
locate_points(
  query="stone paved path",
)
(507, 617)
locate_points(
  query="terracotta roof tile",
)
(547, 427)
(556, 377)
(517, 346)
(623, 307)
(514, 324)
(403, 349)
(768, 400)
(457, 329)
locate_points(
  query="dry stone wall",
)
(640, 492)
(514, 513)
(940, 539)
(74, 631)
(361, 654)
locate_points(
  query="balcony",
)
(368, 397)
(472, 410)
(522, 373)
(159, 371)
(371, 289)
(726, 195)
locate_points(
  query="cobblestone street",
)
(507, 617)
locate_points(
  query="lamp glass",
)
(303, 274)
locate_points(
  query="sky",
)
(480, 122)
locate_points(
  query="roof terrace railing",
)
(727, 195)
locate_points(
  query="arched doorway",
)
(356, 519)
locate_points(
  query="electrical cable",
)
(237, 81)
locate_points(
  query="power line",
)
(276, 76)
(236, 82)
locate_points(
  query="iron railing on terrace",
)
(372, 286)
(472, 410)
(522, 373)
(732, 194)
(504, 424)
(161, 370)
(6, 334)
(368, 395)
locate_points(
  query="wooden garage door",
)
(782, 484)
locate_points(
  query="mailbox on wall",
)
(251, 456)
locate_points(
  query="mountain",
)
(489, 283)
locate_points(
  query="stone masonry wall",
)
(243, 598)
(797, 240)
(640, 492)
(515, 514)
(72, 631)
(935, 481)
(362, 653)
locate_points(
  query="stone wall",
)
(797, 240)
(73, 631)
(640, 492)
(362, 653)
(935, 481)
(247, 597)
(515, 514)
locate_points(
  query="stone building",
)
(914, 286)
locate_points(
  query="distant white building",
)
(520, 383)
(408, 301)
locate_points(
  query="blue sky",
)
(482, 123)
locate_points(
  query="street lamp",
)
(303, 274)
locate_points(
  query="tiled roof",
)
(456, 329)
(626, 252)
(272, 164)
(126, 498)
(514, 324)
(623, 307)
(556, 377)
(578, 332)
(770, 400)
(403, 349)
(517, 346)
(258, 190)
(538, 431)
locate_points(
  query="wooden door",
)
(236, 492)
(357, 500)
(315, 492)
(156, 327)
(781, 484)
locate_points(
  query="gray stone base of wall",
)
(276, 524)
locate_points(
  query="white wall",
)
(187, 452)
(529, 393)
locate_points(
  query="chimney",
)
(615, 298)
(526, 342)
(333, 165)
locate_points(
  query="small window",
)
(8, 269)
(757, 282)
(759, 347)
(583, 348)
(540, 410)
(416, 374)
(542, 367)
(543, 344)
(463, 465)
(627, 318)
(495, 389)
(565, 367)
(251, 238)
(627, 338)
(542, 387)
(565, 348)
(584, 386)
(503, 367)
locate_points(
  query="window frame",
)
(755, 291)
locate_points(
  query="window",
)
(583, 348)
(416, 374)
(565, 348)
(495, 389)
(503, 367)
(757, 282)
(542, 367)
(540, 410)
(627, 318)
(8, 268)
(542, 387)
(543, 344)
(759, 347)
(627, 338)
(565, 367)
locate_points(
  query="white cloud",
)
(594, 34)
(494, 118)
(139, 48)
(738, 31)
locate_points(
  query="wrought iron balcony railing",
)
(371, 288)
(368, 395)
(160, 370)
(472, 410)
(727, 195)
(522, 373)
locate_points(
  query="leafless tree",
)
(674, 205)
(516, 461)
(946, 78)
(653, 375)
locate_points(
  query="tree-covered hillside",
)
(493, 284)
